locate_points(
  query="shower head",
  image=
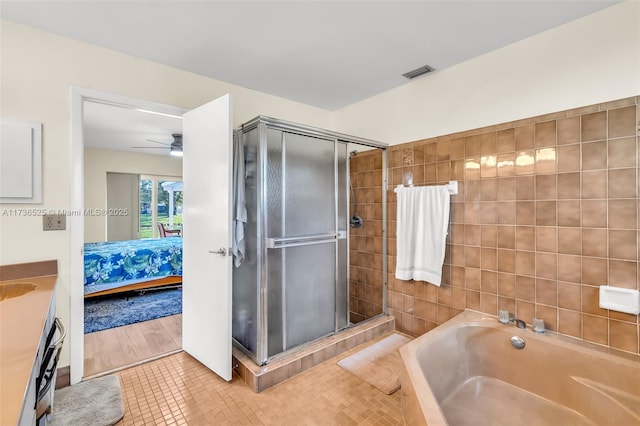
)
(353, 153)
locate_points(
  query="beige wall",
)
(38, 69)
(97, 162)
(591, 60)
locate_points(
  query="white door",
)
(206, 170)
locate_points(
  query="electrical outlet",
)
(54, 222)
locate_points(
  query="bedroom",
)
(453, 100)
(128, 168)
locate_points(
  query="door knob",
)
(222, 251)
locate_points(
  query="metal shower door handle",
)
(305, 240)
(222, 251)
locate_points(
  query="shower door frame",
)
(263, 123)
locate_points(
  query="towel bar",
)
(452, 187)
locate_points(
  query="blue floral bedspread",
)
(118, 263)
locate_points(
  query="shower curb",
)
(259, 378)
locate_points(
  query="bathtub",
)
(466, 372)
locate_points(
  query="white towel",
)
(421, 232)
(239, 208)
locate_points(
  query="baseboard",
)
(63, 378)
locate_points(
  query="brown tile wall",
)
(365, 244)
(546, 212)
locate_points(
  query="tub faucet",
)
(538, 325)
(519, 323)
(505, 318)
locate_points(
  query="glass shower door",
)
(302, 239)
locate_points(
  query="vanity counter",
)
(25, 306)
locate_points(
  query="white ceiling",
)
(323, 53)
(123, 129)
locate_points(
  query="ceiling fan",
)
(175, 147)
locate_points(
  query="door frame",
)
(78, 95)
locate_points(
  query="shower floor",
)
(487, 401)
(263, 377)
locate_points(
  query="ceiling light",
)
(418, 72)
(175, 151)
(164, 114)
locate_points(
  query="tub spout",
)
(505, 318)
(519, 323)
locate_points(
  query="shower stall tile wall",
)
(365, 250)
(547, 211)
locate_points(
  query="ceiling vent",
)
(418, 72)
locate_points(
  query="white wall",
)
(38, 69)
(591, 60)
(97, 162)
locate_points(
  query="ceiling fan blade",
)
(151, 147)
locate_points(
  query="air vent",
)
(418, 72)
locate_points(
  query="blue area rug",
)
(119, 310)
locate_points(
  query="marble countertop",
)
(24, 303)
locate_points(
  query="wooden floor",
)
(123, 346)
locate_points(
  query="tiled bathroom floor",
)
(178, 390)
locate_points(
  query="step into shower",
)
(259, 378)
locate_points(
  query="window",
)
(170, 203)
(160, 202)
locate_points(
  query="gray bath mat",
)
(96, 402)
(380, 364)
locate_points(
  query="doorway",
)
(80, 99)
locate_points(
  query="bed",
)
(118, 266)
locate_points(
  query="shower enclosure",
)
(293, 285)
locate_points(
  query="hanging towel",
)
(239, 208)
(421, 232)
